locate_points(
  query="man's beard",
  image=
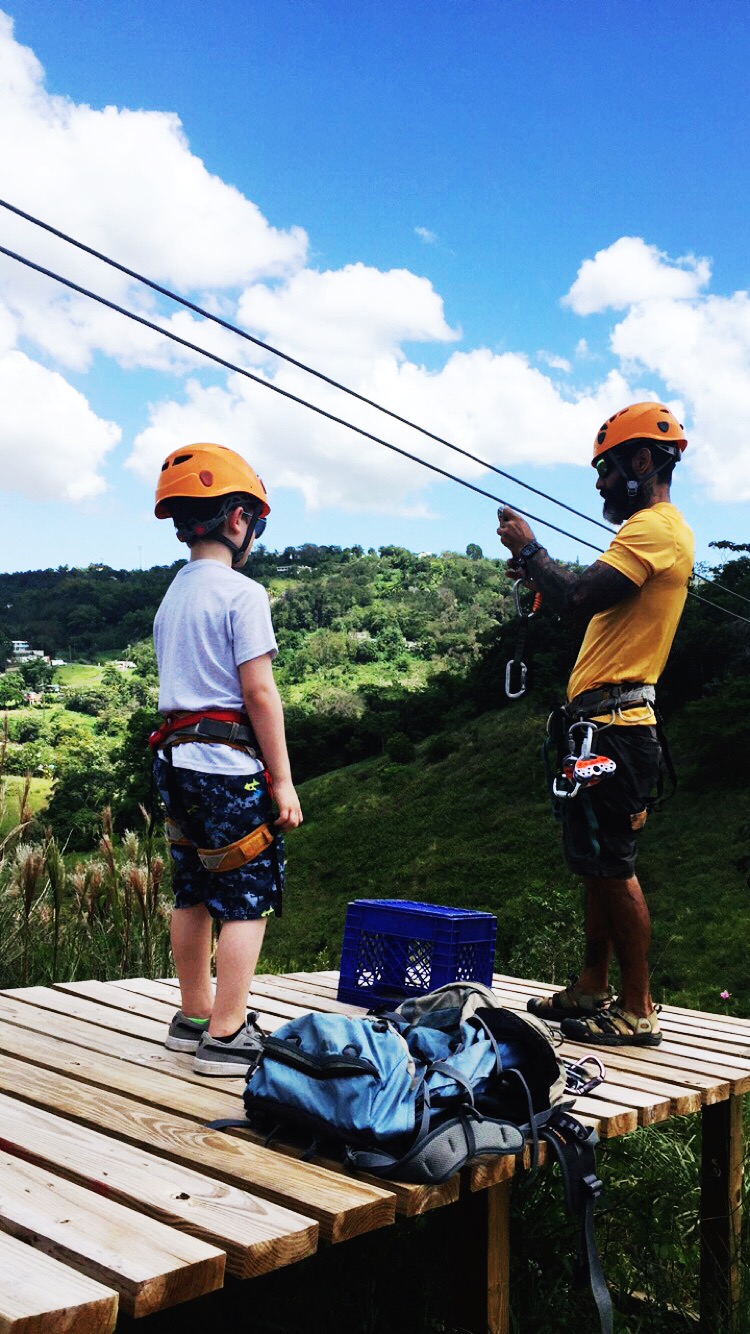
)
(618, 505)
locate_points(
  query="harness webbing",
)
(231, 855)
(228, 727)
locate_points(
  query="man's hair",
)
(663, 459)
(188, 511)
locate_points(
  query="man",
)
(629, 602)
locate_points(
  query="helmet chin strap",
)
(197, 531)
(632, 484)
(237, 551)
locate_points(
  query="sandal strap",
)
(618, 1022)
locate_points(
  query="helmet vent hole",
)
(164, 466)
(663, 426)
(206, 477)
(180, 458)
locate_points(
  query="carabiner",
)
(515, 694)
(522, 615)
(579, 1079)
(516, 661)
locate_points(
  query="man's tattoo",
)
(579, 596)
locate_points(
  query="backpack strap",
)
(438, 1154)
(574, 1147)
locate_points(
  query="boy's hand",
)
(290, 811)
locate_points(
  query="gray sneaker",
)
(184, 1034)
(230, 1058)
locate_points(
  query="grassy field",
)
(38, 797)
(79, 675)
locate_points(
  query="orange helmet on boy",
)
(206, 471)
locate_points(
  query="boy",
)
(214, 644)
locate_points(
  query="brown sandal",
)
(615, 1027)
(568, 1004)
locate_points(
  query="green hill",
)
(474, 829)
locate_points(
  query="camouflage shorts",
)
(222, 809)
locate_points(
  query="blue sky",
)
(503, 220)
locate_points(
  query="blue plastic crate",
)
(394, 948)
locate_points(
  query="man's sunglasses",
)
(603, 466)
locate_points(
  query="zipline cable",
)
(293, 361)
(320, 375)
(285, 393)
(340, 421)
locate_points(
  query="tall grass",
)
(105, 917)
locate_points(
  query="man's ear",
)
(643, 462)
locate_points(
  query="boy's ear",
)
(233, 520)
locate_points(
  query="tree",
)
(11, 690)
(82, 788)
(36, 674)
(474, 552)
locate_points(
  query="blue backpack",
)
(417, 1092)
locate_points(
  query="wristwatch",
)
(526, 553)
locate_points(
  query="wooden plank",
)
(613, 1120)
(685, 1029)
(208, 1102)
(204, 1102)
(117, 998)
(277, 988)
(649, 1106)
(271, 1013)
(722, 1156)
(714, 1082)
(77, 1007)
(150, 1265)
(256, 1236)
(139, 1051)
(39, 1295)
(344, 1207)
(731, 1026)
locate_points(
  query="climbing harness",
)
(229, 857)
(516, 670)
(227, 727)
(223, 727)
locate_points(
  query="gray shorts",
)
(618, 803)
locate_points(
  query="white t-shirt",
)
(211, 620)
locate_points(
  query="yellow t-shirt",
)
(631, 641)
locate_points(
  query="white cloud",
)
(554, 362)
(701, 352)
(127, 182)
(350, 315)
(52, 445)
(630, 271)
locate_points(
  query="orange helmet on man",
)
(640, 421)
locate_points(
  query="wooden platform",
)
(115, 1196)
